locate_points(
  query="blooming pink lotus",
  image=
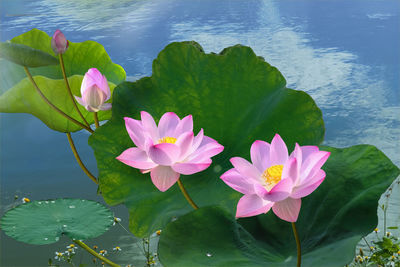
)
(59, 43)
(168, 150)
(95, 91)
(275, 179)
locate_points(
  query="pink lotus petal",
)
(279, 192)
(307, 151)
(291, 170)
(163, 177)
(95, 75)
(238, 182)
(259, 153)
(312, 164)
(251, 205)
(167, 124)
(164, 154)
(106, 106)
(184, 142)
(287, 209)
(208, 150)
(187, 168)
(136, 132)
(185, 125)
(278, 151)
(103, 85)
(309, 186)
(80, 101)
(93, 97)
(136, 158)
(149, 125)
(197, 140)
(245, 168)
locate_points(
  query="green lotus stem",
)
(296, 236)
(51, 104)
(78, 159)
(94, 253)
(185, 193)
(96, 120)
(69, 89)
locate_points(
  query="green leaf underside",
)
(23, 98)
(25, 55)
(332, 221)
(78, 58)
(235, 96)
(43, 222)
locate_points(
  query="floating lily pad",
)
(332, 221)
(26, 56)
(235, 96)
(24, 98)
(43, 222)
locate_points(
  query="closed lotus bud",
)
(59, 43)
(95, 91)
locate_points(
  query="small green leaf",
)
(43, 222)
(23, 98)
(235, 96)
(26, 56)
(393, 227)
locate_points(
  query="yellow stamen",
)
(25, 199)
(167, 139)
(272, 176)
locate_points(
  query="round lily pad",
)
(43, 222)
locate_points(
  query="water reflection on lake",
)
(345, 55)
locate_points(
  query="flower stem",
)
(51, 104)
(96, 120)
(296, 235)
(69, 89)
(73, 148)
(94, 253)
(185, 193)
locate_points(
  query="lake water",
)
(345, 54)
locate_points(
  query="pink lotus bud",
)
(95, 91)
(59, 43)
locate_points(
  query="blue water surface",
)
(345, 54)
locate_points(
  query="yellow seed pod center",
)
(272, 176)
(167, 139)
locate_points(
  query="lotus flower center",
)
(167, 139)
(272, 176)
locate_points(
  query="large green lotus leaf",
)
(25, 55)
(43, 222)
(332, 221)
(23, 98)
(235, 96)
(78, 58)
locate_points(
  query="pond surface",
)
(345, 54)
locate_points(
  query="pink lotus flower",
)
(95, 91)
(59, 43)
(168, 150)
(275, 179)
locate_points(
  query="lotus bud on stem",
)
(59, 111)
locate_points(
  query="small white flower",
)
(103, 252)
(116, 220)
(388, 234)
(117, 248)
(25, 200)
(59, 255)
(376, 230)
